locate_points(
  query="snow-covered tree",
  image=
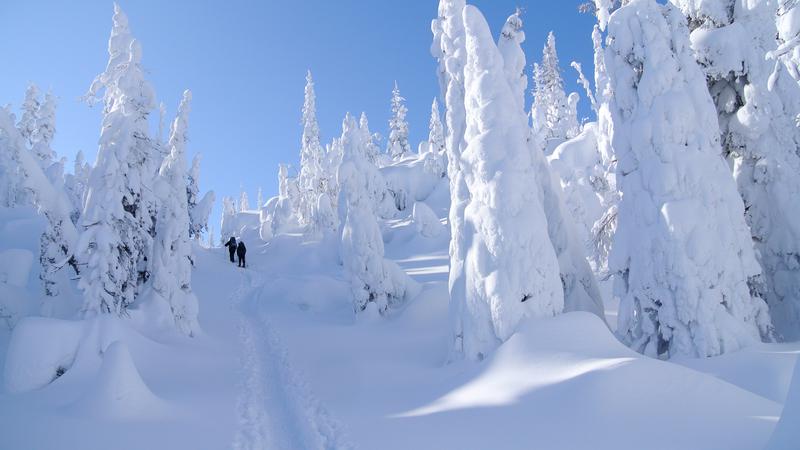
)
(259, 199)
(227, 227)
(75, 185)
(244, 202)
(511, 267)
(311, 180)
(172, 251)
(509, 43)
(373, 279)
(282, 214)
(397, 144)
(579, 285)
(757, 102)
(370, 139)
(58, 242)
(681, 254)
(553, 116)
(199, 208)
(449, 49)
(118, 215)
(30, 111)
(435, 163)
(45, 131)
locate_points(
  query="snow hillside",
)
(283, 362)
(523, 280)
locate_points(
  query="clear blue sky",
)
(245, 62)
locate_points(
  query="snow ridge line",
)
(298, 420)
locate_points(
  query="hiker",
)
(240, 252)
(231, 244)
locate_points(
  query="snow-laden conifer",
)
(554, 118)
(370, 139)
(681, 276)
(172, 251)
(511, 267)
(449, 49)
(435, 161)
(397, 144)
(373, 279)
(311, 180)
(757, 102)
(118, 214)
(244, 202)
(509, 43)
(199, 207)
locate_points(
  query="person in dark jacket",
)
(231, 244)
(240, 252)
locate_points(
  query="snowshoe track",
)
(275, 407)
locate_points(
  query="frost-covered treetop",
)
(178, 130)
(310, 126)
(119, 45)
(511, 38)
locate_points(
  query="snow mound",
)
(555, 381)
(425, 219)
(15, 266)
(40, 351)
(118, 392)
(787, 434)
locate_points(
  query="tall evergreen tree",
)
(311, 181)
(398, 145)
(757, 102)
(373, 279)
(172, 252)
(118, 215)
(682, 277)
(449, 49)
(553, 116)
(435, 157)
(512, 272)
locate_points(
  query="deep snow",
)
(282, 362)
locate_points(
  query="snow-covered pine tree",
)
(227, 227)
(512, 270)
(449, 49)
(578, 282)
(75, 185)
(369, 138)
(373, 279)
(244, 202)
(45, 131)
(118, 214)
(509, 43)
(59, 239)
(199, 207)
(434, 162)
(259, 199)
(681, 276)
(397, 144)
(30, 111)
(311, 180)
(283, 214)
(172, 251)
(757, 103)
(554, 119)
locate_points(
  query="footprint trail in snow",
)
(276, 410)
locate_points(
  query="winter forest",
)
(523, 278)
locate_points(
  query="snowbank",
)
(118, 392)
(40, 350)
(787, 432)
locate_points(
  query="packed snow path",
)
(275, 410)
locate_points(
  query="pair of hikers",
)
(239, 249)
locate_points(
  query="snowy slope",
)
(282, 362)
